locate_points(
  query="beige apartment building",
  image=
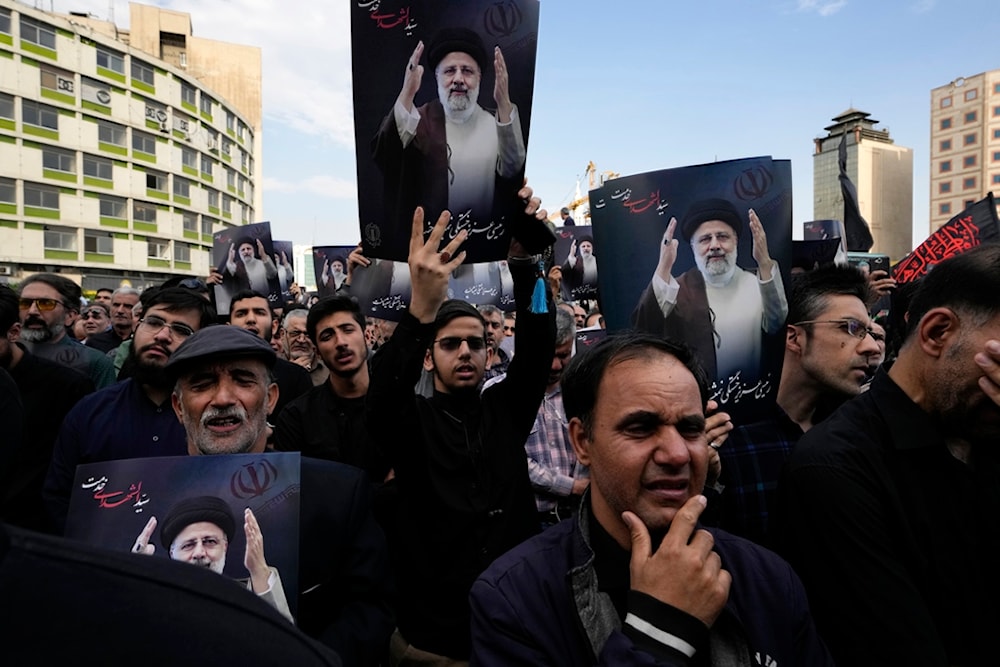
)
(965, 144)
(121, 152)
(881, 171)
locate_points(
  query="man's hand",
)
(532, 208)
(760, 254)
(580, 485)
(429, 268)
(683, 572)
(501, 88)
(668, 252)
(232, 253)
(260, 249)
(717, 428)
(571, 258)
(988, 361)
(214, 278)
(354, 260)
(412, 76)
(254, 558)
(142, 545)
(555, 281)
(879, 285)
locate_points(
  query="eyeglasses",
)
(294, 335)
(853, 327)
(508, 329)
(452, 343)
(44, 305)
(155, 325)
(96, 313)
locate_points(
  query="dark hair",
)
(329, 305)
(810, 292)
(582, 377)
(173, 299)
(103, 289)
(250, 294)
(453, 309)
(967, 283)
(68, 290)
(10, 311)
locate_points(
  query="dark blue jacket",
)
(539, 604)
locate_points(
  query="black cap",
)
(710, 209)
(449, 40)
(195, 510)
(216, 342)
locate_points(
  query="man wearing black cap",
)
(224, 390)
(199, 530)
(717, 306)
(450, 153)
(465, 495)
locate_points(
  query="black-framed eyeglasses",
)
(155, 325)
(853, 327)
(452, 343)
(43, 305)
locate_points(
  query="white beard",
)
(458, 109)
(717, 274)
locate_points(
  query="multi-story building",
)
(881, 171)
(122, 152)
(965, 144)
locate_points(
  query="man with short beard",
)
(450, 153)
(253, 273)
(716, 307)
(131, 419)
(299, 349)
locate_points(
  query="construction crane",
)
(579, 207)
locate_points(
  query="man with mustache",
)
(722, 310)
(450, 153)
(298, 347)
(131, 419)
(123, 300)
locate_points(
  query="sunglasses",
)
(43, 305)
(96, 314)
(452, 343)
(853, 327)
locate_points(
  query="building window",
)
(996, 156)
(996, 111)
(945, 165)
(206, 165)
(969, 139)
(5, 20)
(182, 252)
(189, 158)
(971, 94)
(40, 115)
(970, 117)
(143, 212)
(230, 178)
(945, 123)
(946, 145)
(57, 80)
(230, 121)
(156, 180)
(996, 134)
(213, 141)
(207, 226)
(244, 158)
(38, 33)
(142, 72)
(996, 179)
(97, 167)
(969, 161)
(206, 104)
(6, 106)
(41, 196)
(944, 188)
(182, 187)
(213, 199)
(111, 60)
(58, 160)
(100, 243)
(944, 209)
(187, 94)
(60, 239)
(157, 249)
(143, 143)
(8, 191)
(112, 207)
(945, 102)
(227, 205)
(110, 133)
(969, 183)
(240, 131)
(190, 222)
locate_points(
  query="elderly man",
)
(580, 272)
(255, 269)
(95, 319)
(223, 393)
(633, 580)
(48, 304)
(830, 350)
(889, 508)
(123, 300)
(450, 153)
(717, 306)
(298, 347)
(199, 530)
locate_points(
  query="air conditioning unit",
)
(6, 270)
(213, 144)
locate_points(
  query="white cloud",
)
(329, 187)
(821, 7)
(923, 6)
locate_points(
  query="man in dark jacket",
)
(632, 580)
